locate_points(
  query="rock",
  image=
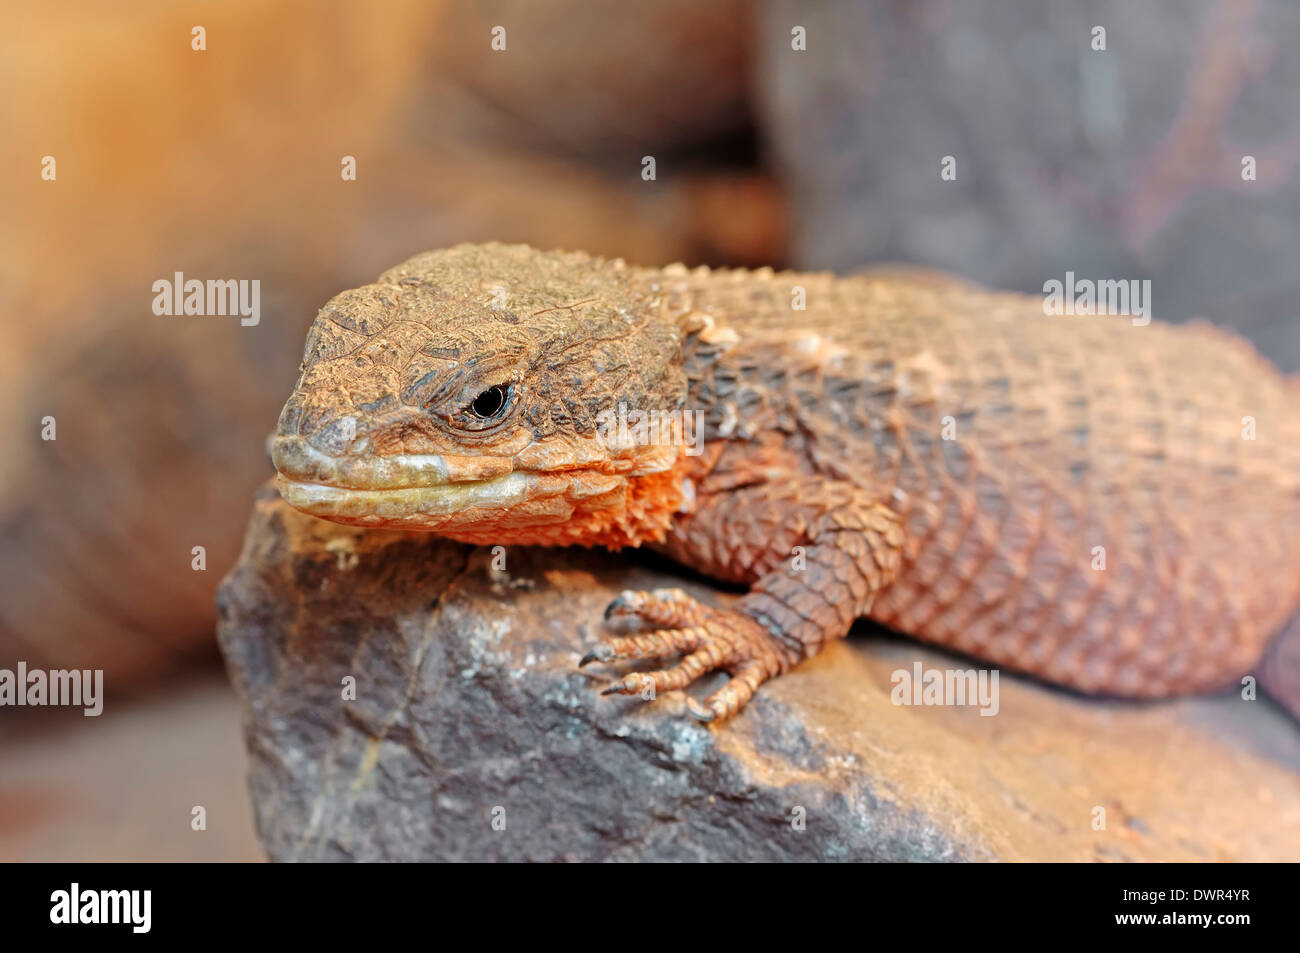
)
(1122, 163)
(469, 709)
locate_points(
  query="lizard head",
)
(469, 393)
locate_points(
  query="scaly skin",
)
(943, 459)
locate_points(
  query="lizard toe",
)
(657, 644)
(660, 608)
(650, 684)
(733, 696)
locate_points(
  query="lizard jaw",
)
(497, 504)
(422, 507)
(298, 461)
(421, 491)
(473, 499)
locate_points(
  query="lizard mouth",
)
(432, 492)
(421, 507)
(300, 462)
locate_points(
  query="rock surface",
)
(474, 736)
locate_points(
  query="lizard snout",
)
(340, 436)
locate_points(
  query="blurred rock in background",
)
(1122, 163)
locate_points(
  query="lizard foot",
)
(710, 638)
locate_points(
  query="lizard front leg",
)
(815, 557)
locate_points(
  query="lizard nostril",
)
(290, 417)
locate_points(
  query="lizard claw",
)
(698, 711)
(601, 653)
(619, 606)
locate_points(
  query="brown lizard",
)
(1112, 507)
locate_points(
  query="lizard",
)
(1107, 506)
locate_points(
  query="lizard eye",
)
(491, 402)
